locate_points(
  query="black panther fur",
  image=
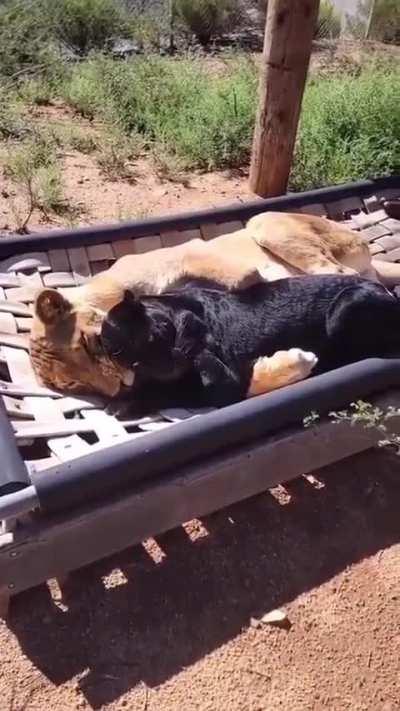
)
(197, 343)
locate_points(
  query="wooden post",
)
(171, 23)
(368, 26)
(289, 32)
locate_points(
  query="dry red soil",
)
(91, 197)
(172, 625)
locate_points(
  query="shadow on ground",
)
(258, 555)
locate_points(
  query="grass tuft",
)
(114, 153)
(33, 167)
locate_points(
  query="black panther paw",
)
(209, 369)
(122, 409)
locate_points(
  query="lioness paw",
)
(273, 272)
(303, 357)
(283, 368)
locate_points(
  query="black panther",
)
(201, 344)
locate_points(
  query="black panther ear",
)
(132, 300)
(129, 297)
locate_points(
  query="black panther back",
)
(201, 329)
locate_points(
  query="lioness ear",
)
(51, 307)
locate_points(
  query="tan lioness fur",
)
(271, 246)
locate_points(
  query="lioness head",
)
(65, 348)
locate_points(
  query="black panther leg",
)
(151, 396)
(222, 385)
(139, 401)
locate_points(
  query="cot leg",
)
(5, 598)
(6, 532)
(64, 584)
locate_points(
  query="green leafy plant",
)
(32, 166)
(114, 153)
(84, 88)
(24, 36)
(366, 415)
(79, 140)
(169, 167)
(206, 19)
(86, 25)
(349, 128)
(12, 122)
(49, 194)
(206, 123)
(36, 91)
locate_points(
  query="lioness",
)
(271, 246)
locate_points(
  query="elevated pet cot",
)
(77, 484)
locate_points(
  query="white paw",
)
(303, 357)
(273, 272)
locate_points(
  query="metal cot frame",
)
(66, 515)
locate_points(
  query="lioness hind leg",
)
(283, 368)
(330, 266)
(305, 242)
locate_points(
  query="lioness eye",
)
(92, 344)
(96, 345)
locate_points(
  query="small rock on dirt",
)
(276, 617)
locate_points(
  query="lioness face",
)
(66, 351)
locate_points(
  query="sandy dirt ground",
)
(174, 625)
(90, 197)
(94, 199)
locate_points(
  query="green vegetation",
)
(206, 19)
(24, 37)
(33, 167)
(12, 123)
(385, 21)
(75, 138)
(114, 153)
(39, 33)
(349, 129)
(350, 126)
(185, 112)
(370, 417)
(87, 25)
(172, 104)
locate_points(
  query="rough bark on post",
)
(289, 32)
